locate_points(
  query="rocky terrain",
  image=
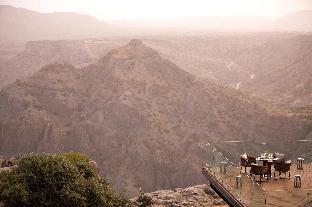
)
(24, 62)
(272, 66)
(200, 195)
(140, 116)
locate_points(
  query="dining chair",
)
(262, 171)
(246, 161)
(282, 167)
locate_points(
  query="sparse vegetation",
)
(144, 201)
(66, 179)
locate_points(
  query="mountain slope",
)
(273, 66)
(18, 24)
(37, 54)
(142, 118)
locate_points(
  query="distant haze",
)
(165, 9)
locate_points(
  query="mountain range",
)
(271, 66)
(299, 21)
(142, 118)
(36, 54)
(19, 24)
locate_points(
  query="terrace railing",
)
(237, 188)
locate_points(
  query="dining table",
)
(267, 161)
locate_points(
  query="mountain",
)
(299, 21)
(296, 21)
(201, 23)
(37, 54)
(143, 119)
(272, 66)
(18, 24)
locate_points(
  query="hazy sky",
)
(164, 9)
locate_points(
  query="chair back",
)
(281, 157)
(247, 160)
(243, 161)
(251, 159)
(283, 167)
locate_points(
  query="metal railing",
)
(237, 188)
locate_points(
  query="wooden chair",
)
(262, 171)
(281, 157)
(283, 167)
(247, 162)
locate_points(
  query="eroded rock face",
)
(144, 120)
(200, 195)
